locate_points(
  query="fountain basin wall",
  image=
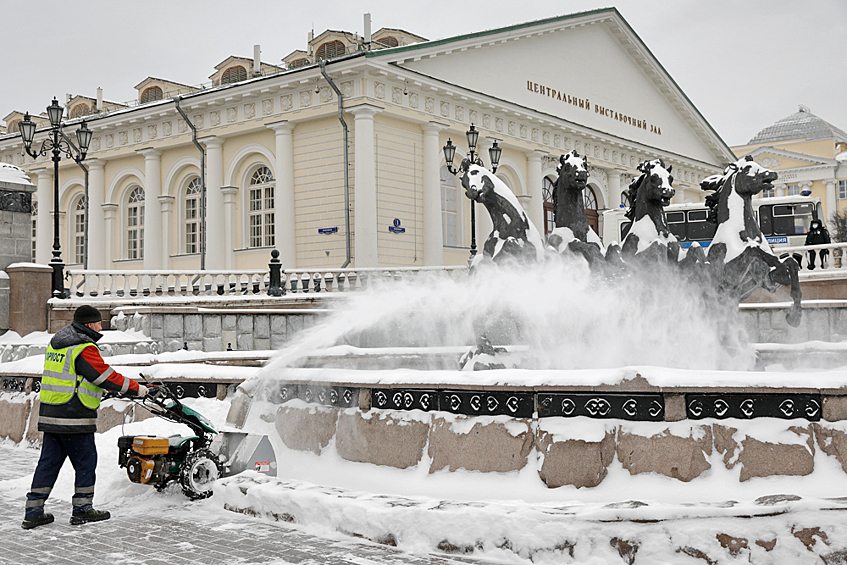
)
(682, 431)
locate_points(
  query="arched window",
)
(262, 208)
(449, 208)
(79, 231)
(234, 74)
(151, 94)
(390, 41)
(13, 126)
(135, 224)
(79, 110)
(330, 49)
(549, 218)
(298, 63)
(192, 216)
(590, 198)
(34, 220)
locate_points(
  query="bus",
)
(784, 221)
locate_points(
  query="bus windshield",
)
(792, 219)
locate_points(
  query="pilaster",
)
(366, 246)
(433, 245)
(284, 194)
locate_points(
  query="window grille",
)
(135, 224)
(234, 74)
(261, 208)
(34, 220)
(192, 216)
(449, 208)
(151, 94)
(390, 41)
(330, 49)
(79, 110)
(79, 231)
(547, 187)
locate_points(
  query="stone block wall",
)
(175, 328)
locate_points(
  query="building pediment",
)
(775, 158)
(588, 68)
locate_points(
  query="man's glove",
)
(142, 390)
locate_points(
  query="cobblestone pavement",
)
(177, 538)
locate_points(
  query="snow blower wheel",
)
(198, 473)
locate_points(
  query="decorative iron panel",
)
(394, 399)
(495, 403)
(746, 406)
(338, 396)
(642, 407)
(13, 384)
(194, 390)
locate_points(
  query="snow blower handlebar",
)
(163, 402)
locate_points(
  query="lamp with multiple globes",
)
(58, 144)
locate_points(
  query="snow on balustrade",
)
(131, 284)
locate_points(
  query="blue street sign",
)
(396, 227)
(327, 231)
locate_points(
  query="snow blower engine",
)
(194, 461)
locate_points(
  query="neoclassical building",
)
(277, 174)
(808, 153)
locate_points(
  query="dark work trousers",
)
(82, 452)
(824, 254)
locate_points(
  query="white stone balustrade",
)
(836, 262)
(129, 284)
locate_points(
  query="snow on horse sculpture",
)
(649, 193)
(740, 257)
(514, 236)
(572, 231)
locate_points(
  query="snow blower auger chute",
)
(197, 461)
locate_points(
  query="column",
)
(96, 219)
(44, 220)
(613, 190)
(780, 190)
(166, 204)
(153, 247)
(112, 240)
(215, 251)
(831, 203)
(433, 236)
(284, 194)
(366, 248)
(533, 189)
(229, 196)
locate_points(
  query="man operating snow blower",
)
(73, 382)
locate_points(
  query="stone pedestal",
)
(30, 287)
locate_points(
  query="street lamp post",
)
(494, 153)
(57, 143)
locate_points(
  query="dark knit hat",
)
(86, 314)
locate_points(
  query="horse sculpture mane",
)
(740, 257)
(649, 193)
(572, 232)
(514, 236)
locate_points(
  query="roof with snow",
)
(799, 125)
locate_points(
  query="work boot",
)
(92, 515)
(35, 521)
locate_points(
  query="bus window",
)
(625, 229)
(698, 228)
(676, 224)
(766, 219)
(792, 219)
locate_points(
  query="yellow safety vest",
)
(60, 381)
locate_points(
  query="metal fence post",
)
(275, 266)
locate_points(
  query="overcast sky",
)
(744, 63)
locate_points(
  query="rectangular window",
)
(269, 229)
(792, 190)
(79, 237)
(256, 230)
(191, 225)
(768, 193)
(842, 189)
(449, 216)
(33, 238)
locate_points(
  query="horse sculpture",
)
(740, 257)
(514, 236)
(649, 193)
(572, 231)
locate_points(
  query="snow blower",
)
(193, 461)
